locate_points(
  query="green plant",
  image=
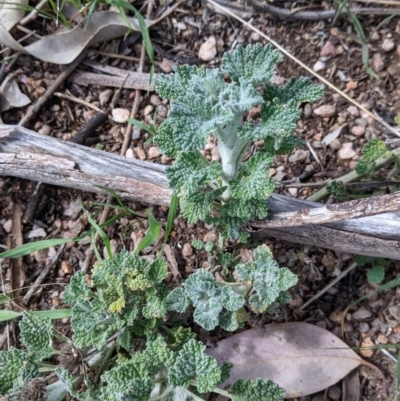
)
(204, 102)
(131, 332)
(376, 273)
(124, 308)
(372, 151)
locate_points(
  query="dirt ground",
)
(335, 51)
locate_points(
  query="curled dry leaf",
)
(300, 357)
(11, 12)
(65, 45)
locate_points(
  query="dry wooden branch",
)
(332, 213)
(138, 80)
(29, 155)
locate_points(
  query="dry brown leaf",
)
(300, 357)
(64, 46)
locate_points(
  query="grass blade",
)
(102, 234)
(152, 233)
(4, 299)
(53, 313)
(173, 207)
(27, 249)
(8, 315)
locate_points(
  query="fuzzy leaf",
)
(248, 390)
(177, 300)
(192, 363)
(36, 335)
(254, 63)
(372, 151)
(16, 367)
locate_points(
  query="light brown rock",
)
(328, 50)
(105, 96)
(120, 115)
(346, 151)
(358, 130)
(325, 111)
(388, 45)
(187, 250)
(208, 50)
(154, 152)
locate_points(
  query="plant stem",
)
(162, 395)
(353, 176)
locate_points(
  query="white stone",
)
(208, 49)
(120, 115)
(378, 64)
(7, 226)
(346, 151)
(353, 111)
(388, 45)
(362, 313)
(45, 130)
(358, 130)
(319, 66)
(325, 111)
(154, 152)
(187, 250)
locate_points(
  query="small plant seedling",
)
(376, 273)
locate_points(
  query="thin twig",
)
(330, 285)
(78, 101)
(308, 69)
(32, 15)
(43, 274)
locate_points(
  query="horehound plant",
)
(132, 339)
(216, 102)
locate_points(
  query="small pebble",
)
(140, 153)
(120, 115)
(358, 131)
(307, 110)
(293, 191)
(154, 152)
(363, 327)
(187, 250)
(181, 26)
(388, 45)
(45, 130)
(299, 156)
(375, 36)
(7, 226)
(362, 122)
(105, 96)
(395, 311)
(353, 111)
(346, 151)
(148, 109)
(378, 63)
(325, 111)
(336, 317)
(362, 313)
(335, 144)
(382, 339)
(328, 50)
(208, 49)
(129, 153)
(319, 66)
(155, 100)
(210, 237)
(367, 342)
(166, 65)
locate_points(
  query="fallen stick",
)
(29, 155)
